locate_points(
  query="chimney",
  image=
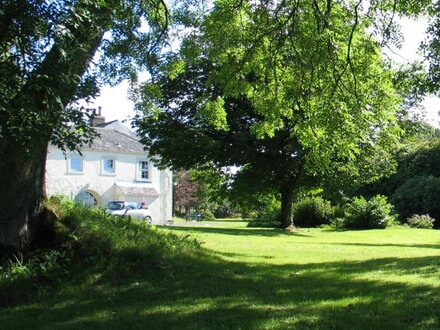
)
(97, 117)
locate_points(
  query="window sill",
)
(75, 173)
(143, 180)
(107, 174)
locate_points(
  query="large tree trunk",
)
(22, 190)
(286, 191)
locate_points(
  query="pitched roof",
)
(117, 126)
(116, 138)
(130, 189)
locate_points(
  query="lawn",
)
(262, 279)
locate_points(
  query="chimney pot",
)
(98, 118)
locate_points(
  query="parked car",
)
(125, 209)
(193, 217)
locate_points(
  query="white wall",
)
(102, 186)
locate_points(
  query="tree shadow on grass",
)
(239, 232)
(220, 220)
(210, 293)
(424, 246)
(385, 245)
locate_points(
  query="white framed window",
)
(108, 166)
(143, 170)
(75, 164)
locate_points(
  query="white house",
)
(115, 167)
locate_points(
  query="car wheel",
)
(148, 219)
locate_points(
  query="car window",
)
(131, 206)
(115, 206)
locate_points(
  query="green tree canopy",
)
(286, 91)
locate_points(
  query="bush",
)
(418, 195)
(266, 219)
(312, 212)
(420, 221)
(338, 211)
(55, 224)
(90, 242)
(369, 214)
(226, 210)
(207, 215)
(336, 224)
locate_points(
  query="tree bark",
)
(286, 191)
(22, 190)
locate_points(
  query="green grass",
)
(259, 279)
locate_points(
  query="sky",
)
(116, 105)
(414, 32)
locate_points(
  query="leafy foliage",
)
(418, 195)
(185, 192)
(312, 212)
(207, 215)
(419, 156)
(420, 221)
(266, 219)
(253, 203)
(198, 190)
(46, 50)
(368, 214)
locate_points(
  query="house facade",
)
(114, 167)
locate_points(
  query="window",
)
(143, 170)
(108, 166)
(75, 164)
(86, 198)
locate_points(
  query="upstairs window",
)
(143, 173)
(75, 164)
(108, 166)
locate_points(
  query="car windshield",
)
(133, 206)
(115, 206)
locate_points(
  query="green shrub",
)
(226, 210)
(266, 219)
(53, 228)
(94, 243)
(207, 215)
(312, 212)
(420, 221)
(338, 211)
(336, 224)
(418, 195)
(369, 214)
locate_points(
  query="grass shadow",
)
(424, 246)
(238, 231)
(209, 292)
